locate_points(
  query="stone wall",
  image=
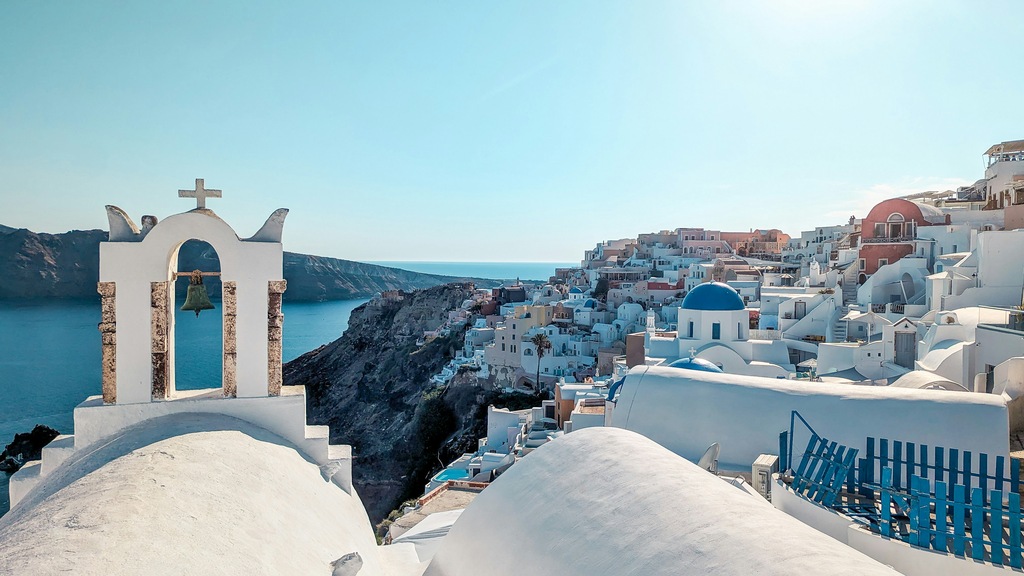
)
(275, 327)
(160, 351)
(108, 339)
(229, 300)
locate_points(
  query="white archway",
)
(136, 284)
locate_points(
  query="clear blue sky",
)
(504, 131)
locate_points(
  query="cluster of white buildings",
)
(905, 324)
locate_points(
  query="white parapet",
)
(284, 415)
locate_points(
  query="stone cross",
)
(693, 352)
(200, 194)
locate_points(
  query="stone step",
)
(56, 452)
(24, 480)
(340, 465)
(317, 432)
(339, 452)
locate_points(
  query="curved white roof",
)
(922, 379)
(746, 413)
(932, 214)
(187, 493)
(609, 502)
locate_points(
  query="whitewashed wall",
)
(686, 411)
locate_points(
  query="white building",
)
(1005, 167)
(996, 271)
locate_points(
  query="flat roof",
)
(1006, 147)
(449, 497)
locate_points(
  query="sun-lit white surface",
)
(609, 502)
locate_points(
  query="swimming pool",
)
(451, 474)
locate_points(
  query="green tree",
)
(543, 344)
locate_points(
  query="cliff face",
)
(318, 278)
(49, 265)
(372, 387)
(38, 265)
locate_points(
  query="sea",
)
(50, 351)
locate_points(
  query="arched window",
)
(894, 225)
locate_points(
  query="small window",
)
(689, 330)
(882, 262)
(513, 336)
(716, 331)
(863, 263)
(502, 347)
(739, 330)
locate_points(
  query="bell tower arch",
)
(137, 272)
(136, 286)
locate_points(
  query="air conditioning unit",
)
(761, 474)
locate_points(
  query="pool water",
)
(451, 474)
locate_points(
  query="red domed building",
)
(889, 231)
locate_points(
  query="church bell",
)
(197, 299)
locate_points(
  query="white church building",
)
(713, 324)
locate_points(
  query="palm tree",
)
(541, 342)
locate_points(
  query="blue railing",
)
(823, 469)
(984, 528)
(948, 500)
(950, 466)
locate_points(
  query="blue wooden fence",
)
(824, 467)
(906, 459)
(983, 527)
(950, 466)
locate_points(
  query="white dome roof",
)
(187, 493)
(606, 501)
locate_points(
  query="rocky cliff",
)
(38, 265)
(372, 387)
(49, 265)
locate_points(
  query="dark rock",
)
(372, 387)
(25, 447)
(11, 464)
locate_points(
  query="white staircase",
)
(839, 327)
(850, 286)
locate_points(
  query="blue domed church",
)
(714, 326)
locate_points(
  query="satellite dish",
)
(709, 461)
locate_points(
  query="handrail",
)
(793, 415)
